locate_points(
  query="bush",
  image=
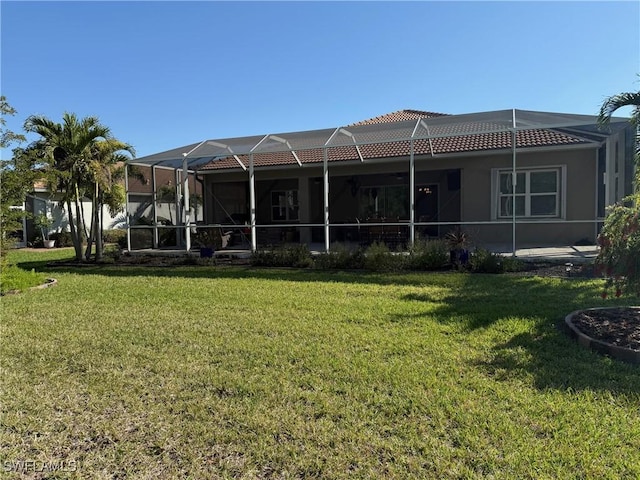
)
(62, 239)
(297, 256)
(428, 255)
(112, 253)
(512, 264)
(140, 238)
(340, 258)
(114, 236)
(619, 257)
(484, 261)
(378, 258)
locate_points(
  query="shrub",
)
(619, 257)
(112, 254)
(63, 239)
(428, 255)
(378, 258)
(114, 236)
(512, 264)
(297, 256)
(340, 258)
(484, 261)
(140, 238)
(122, 242)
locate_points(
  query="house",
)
(510, 177)
(41, 201)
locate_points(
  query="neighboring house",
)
(394, 178)
(42, 201)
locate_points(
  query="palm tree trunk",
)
(77, 244)
(98, 226)
(94, 227)
(80, 225)
(87, 250)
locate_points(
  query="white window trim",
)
(286, 193)
(562, 192)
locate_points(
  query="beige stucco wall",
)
(471, 203)
(579, 198)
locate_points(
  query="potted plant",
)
(206, 238)
(43, 222)
(458, 242)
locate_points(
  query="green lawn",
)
(205, 372)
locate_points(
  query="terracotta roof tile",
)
(441, 145)
(399, 116)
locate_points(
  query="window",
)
(537, 193)
(384, 202)
(284, 205)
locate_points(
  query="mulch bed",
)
(616, 326)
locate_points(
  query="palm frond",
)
(616, 102)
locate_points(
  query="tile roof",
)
(399, 116)
(434, 146)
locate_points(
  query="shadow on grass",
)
(545, 352)
(230, 272)
(471, 302)
(557, 362)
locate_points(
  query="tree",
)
(616, 102)
(81, 156)
(619, 240)
(7, 137)
(106, 171)
(16, 180)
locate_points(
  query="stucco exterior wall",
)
(44, 203)
(473, 200)
(578, 198)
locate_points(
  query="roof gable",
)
(399, 116)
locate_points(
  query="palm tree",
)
(67, 146)
(615, 102)
(609, 107)
(619, 238)
(106, 170)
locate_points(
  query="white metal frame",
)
(359, 136)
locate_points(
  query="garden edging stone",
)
(621, 353)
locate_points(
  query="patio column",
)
(412, 195)
(185, 202)
(154, 199)
(304, 209)
(514, 182)
(126, 205)
(252, 204)
(325, 180)
(177, 189)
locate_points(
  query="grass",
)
(221, 372)
(16, 279)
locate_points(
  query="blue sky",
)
(166, 74)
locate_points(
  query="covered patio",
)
(297, 180)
